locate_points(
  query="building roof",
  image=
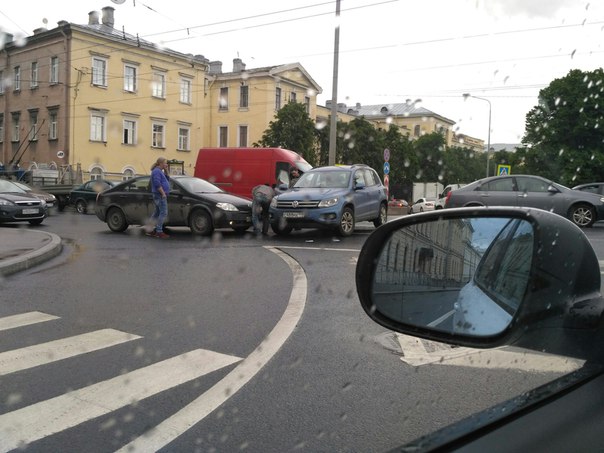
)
(408, 110)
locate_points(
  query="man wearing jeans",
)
(160, 187)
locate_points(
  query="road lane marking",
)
(329, 249)
(24, 319)
(31, 423)
(419, 352)
(40, 354)
(174, 426)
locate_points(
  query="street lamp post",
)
(468, 95)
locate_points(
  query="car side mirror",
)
(359, 186)
(484, 278)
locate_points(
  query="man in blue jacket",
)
(160, 188)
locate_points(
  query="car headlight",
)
(602, 200)
(274, 202)
(328, 203)
(6, 203)
(42, 203)
(227, 206)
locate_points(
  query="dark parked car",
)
(16, 205)
(192, 202)
(83, 197)
(49, 198)
(331, 197)
(582, 208)
(506, 282)
(592, 187)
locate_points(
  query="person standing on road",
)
(160, 188)
(261, 201)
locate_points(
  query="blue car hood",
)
(312, 194)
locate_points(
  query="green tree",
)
(292, 129)
(429, 151)
(564, 134)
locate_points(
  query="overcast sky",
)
(390, 50)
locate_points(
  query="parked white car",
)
(423, 204)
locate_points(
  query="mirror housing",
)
(560, 311)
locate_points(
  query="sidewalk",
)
(22, 248)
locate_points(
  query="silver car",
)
(582, 208)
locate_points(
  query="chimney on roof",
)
(238, 65)
(215, 67)
(358, 106)
(93, 18)
(108, 16)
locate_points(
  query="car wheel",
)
(36, 221)
(383, 217)
(116, 220)
(346, 226)
(281, 230)
(582, 215)
(200, 222)
(81, 206)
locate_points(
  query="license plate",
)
(293, 215)
(30, 211)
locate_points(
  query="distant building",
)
(466, 141)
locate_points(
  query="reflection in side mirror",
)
(458, 275)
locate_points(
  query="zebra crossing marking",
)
(40, 354)
(39, 420)
(24, 319)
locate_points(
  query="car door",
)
(136, 201)
(179, 204)
(535, 193)
(375, 193)
(498, 192)
(362, 200)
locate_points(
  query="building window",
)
(417, 130)
(129, 137)
(34, 75)
(223, 102)
(183, 138)
(185, 91)
(16, 127)
(130, 80)
(1, 82)
(243, 96)
(307, 104)
(278, 98)
(157, 137)
(17, 78)
(292, 96)
(33, 125)
(159, 85)
(97, 127)
(128, 174)
(54, 70)
(243, 136)
(53, 125)
(223, 136)
(99, 72)
(1, 128)
(96, 173)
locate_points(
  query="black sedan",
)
(16, 205)
(192, 202)
(84, 196)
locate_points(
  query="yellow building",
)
(244, 101)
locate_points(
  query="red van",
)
(239, 170)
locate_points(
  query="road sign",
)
(504, 170)
(386, 154)
(386, 168)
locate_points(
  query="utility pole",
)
(334, 91)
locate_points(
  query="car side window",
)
(370, 178)
(359, 178)
(591, 189)
(499, 185)
(532, 185)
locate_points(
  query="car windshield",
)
(191, 316)
(334, 179)
(197, 185)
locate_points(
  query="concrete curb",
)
(29, 259)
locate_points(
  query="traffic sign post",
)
(504, 170)
(387, 171)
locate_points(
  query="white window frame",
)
(17, 78)
(1, 127)
(184, 138)
(33, 83)
(130, 80)
(223, 99)
(242, 139)
(16, 127)
(244, 96)
(98, 127)
(1, 82)
(54, 70)
(223, 130)
(129, 132)
(99, 71)
(33, 121)
(159, 85)
(278, 99)
(293, 97)
(158, 135)
(53, 124)
(186, 91)
(127, 174)
(96, 173)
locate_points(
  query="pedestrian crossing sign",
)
(504, 170)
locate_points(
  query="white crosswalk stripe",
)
(31, 356)
(37, 421)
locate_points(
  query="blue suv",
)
(331, 197)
